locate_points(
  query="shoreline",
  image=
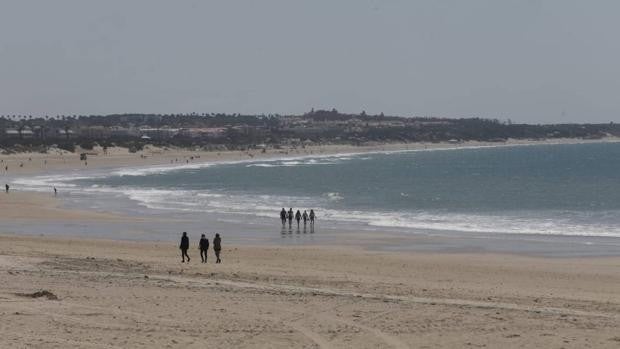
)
(120, 158)
(39, 212)
(36, 214)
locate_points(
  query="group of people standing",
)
(284, 216)
(203, 246)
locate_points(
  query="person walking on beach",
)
(55, 191)
(312, 216)
(184, 247)
(6, 187)
(290, 217)
(204, 247)
(305, 217)
(217, 247)
(298, 218)
(283, 216)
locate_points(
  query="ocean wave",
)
(288, 161)
(521, 223)
(159, 169)
(262, 165)
(268, 207)
(37, 183)
(313, 161)
(334, 196)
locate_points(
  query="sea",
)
(499, 193)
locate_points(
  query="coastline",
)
(118, 158)
(75, 215)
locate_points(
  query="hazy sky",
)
(527, 60)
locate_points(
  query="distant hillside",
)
(234, 131)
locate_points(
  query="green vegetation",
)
(236, 131)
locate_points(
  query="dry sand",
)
(138, 294)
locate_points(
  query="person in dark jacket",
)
(217, 247)
(290, 217)
(305, 217)
(184, 247)
(312, 217)
(283, 216)
(204, 247)
(298, 218)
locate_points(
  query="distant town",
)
(206, 131)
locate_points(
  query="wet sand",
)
(27, 213)
(28, 207)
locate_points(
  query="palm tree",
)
(67, 128)
(42, 129)
(20, 129)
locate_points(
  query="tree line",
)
(238, 131)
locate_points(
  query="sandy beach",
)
(113, 294)
(68, 292)
(57, 160)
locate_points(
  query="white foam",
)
(36, 183)
(314, 161)
(268, 206)
(302, 160)
(151, 170)
(334, 196)
(262, 165)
